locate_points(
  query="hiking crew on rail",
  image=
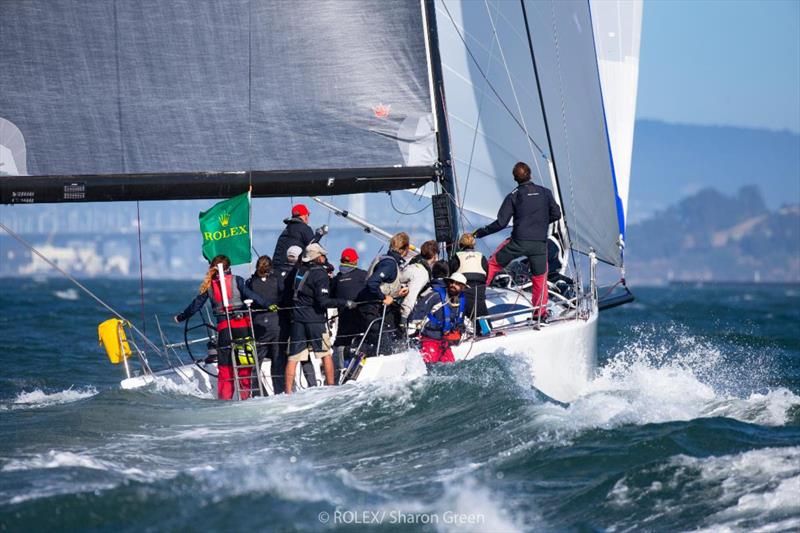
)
(232, 323)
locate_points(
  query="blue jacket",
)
(446, 318)
(296, 233)
(386, 271)
(532, 207)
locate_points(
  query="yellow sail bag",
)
(113, 339)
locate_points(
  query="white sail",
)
(492, 102)
(491, 52)
(617, 28)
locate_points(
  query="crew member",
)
(474, 266)
(380, 290)
(416, 276)
(296, 233)
(311, 298)
(266, 324)
(231, 322)
(346, 285)
(441, 313)
(533, 208)
(286, 272)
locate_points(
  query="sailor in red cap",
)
(296, 233)
(346, 285)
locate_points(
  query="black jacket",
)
(311, 294)
(347, 285)
(270, 289)
(296, 233)
(533, 209)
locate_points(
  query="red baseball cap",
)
(299, 210)
(349, 256)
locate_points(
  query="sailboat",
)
(121, 101)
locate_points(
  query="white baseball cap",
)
(458, 277)
(313, 251)
(294, 251)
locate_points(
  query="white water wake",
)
(38, 398)
(682, 380)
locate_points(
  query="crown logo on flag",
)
(225, 219)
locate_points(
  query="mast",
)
(446, 169)
(551, 160)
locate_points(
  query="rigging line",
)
(514, 92)
(475, 61)
(67, 275)
(391, 201)
(141, 264)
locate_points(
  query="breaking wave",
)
(38, 398)
(753, 489)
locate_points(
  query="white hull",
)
(561, 358)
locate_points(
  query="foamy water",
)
(688, 425)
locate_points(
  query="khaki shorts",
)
(315, 335)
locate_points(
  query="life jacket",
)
(449, 326)
(389, 288)
(469, 262)
(234, 303)
(300, 278)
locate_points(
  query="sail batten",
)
(199, 88)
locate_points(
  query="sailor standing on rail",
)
(238, 327)
(382, 287)
(533, 209)
(311, 299)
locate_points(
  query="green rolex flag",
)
(226, 230)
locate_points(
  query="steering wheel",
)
(211, 332)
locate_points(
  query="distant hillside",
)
(714, 236)
(673, 161)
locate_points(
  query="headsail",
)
(563, 44)
(617, 34)
(189, 99)
(491, 52)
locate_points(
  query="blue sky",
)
(733, 62)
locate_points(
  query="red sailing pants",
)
(436, 351)
(510, 250)
(225, 386)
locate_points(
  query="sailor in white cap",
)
(440, 313)
(310, 302)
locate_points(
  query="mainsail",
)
(103, 101)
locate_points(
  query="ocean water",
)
(692, 423)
